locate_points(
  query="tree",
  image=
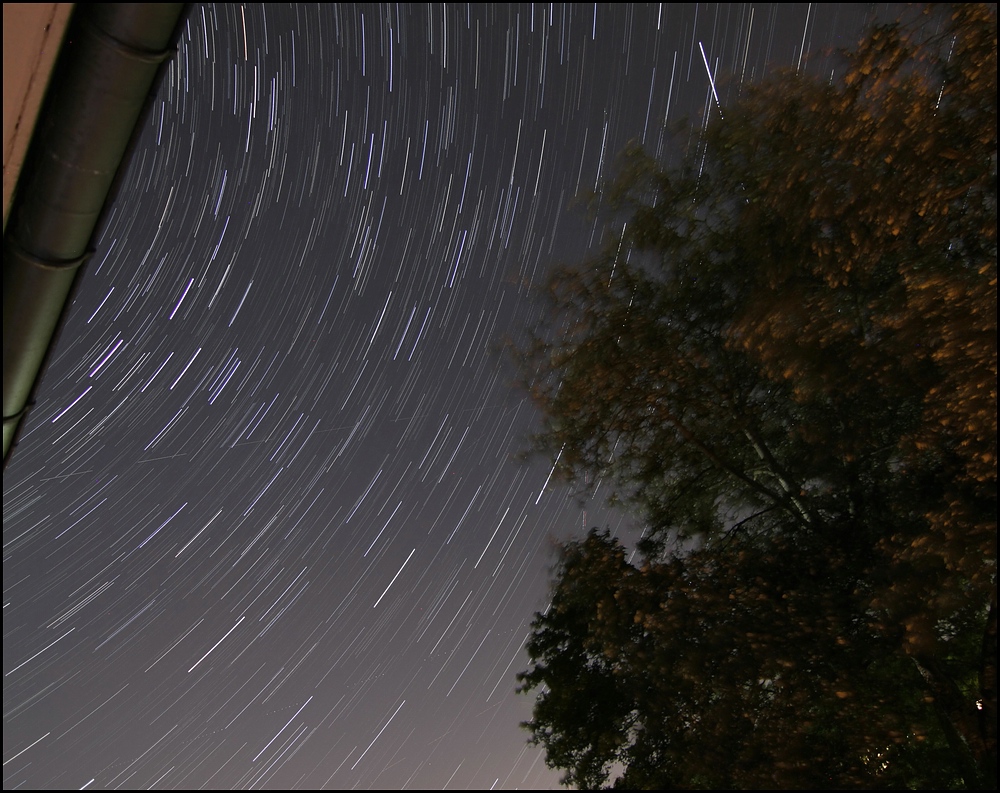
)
(788, 356)
(740, 666)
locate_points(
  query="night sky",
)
(267, 525)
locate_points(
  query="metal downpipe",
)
(106, 73)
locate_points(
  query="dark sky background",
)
(265, 526)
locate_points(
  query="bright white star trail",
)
(281, 395)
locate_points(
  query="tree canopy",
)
(786, 355)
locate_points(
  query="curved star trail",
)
(265, 526)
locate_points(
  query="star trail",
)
(266, 526)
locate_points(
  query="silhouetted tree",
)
(789, 354)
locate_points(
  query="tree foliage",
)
(787, 354)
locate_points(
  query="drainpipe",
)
(108, 71)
